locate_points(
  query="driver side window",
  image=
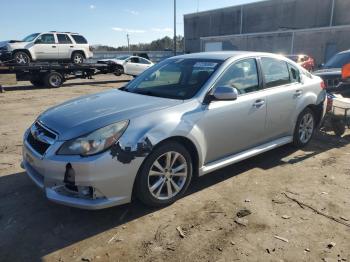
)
(242, 75)
(46, 39)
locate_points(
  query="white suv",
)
(50, 46)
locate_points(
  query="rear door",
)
(45, 47)
(65, 46)
(144, 64)
(132, 66)
(283, 89)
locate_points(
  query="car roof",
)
(58, 32)
(224, 55)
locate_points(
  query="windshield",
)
(338, 61)
(30, 38)
(174, 78)
(122, 57)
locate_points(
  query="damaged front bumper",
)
(98, 181)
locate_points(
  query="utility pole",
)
(127, 37)
(174, 27)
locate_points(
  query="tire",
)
(78, 58)
(338, 127)
(304, 128)
(164, 188)
(119, 71)
(53, 80)
(21, 58)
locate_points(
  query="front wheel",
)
(21, 58)
(304, 128)
(165, 175)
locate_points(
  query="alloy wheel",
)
(167, 175)
(78, 59)
(306, 128)
(21, 58)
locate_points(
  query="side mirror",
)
(225, 93)
(345, 72)
(38, 41)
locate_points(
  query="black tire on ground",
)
(78, 58)
(53, 80)
(142, 181)
(21, 58)
(297, 141)
(338, 127)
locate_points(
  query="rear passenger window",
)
(276, 72)
(79, 39)
(63, 39)
(242, 75)
(294, 74)
(144, 61)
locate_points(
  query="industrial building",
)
(319, 28)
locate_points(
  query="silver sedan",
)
(186, 116)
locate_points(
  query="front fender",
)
(146, 132)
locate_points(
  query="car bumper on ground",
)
(100, 181)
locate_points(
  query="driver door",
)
(233, 126)
(45, 47)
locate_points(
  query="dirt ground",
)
(278, 228)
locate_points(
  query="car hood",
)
(83, 115)
(4, 43)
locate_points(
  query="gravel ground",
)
(275, 228)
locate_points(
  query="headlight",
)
(95, 142)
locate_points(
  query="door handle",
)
(53, 46)
(298, 93)
(259, 103)
(71, 46)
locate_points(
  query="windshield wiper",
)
(144, 92)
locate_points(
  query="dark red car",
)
(304, 60)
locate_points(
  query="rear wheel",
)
(21, 58)
(53, 80)
(304, 128)
(165, 175)
(77, 58)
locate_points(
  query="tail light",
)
(323, 85)
(329, 102)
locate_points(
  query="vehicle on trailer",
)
(331, 73)
(188, 115)
(53, 75)
(129, 65)
(46, 46)
(304, 60)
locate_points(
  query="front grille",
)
(37, 145)
(40, 138)
(45, 131)
(332, 83)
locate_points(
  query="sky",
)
(101, 21)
